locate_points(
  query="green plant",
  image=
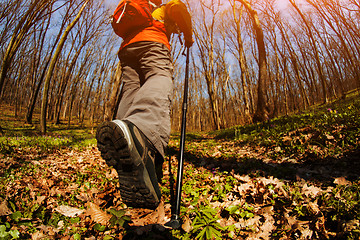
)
(344, 201)
(301, 210)
(205, 225)
(118, 218)
(8, 234)
(6, 147)
(239, 211)
(224, 186)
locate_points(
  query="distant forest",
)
(251, 60)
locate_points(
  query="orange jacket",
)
(168, 18)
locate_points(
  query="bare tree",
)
(52, 66)
(241, 58)
(309, 28)
(40, 67)
(82, 71)
(34, 13)
(328, 14)
(205, 40)
(114, 89)
(8, 17)
(261, 112)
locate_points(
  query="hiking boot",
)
(125, 147)
(159, 161)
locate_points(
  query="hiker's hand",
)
(189, 42)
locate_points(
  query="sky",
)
(111, 3)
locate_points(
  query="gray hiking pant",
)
(147, 88)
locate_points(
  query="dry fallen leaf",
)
(69, 211)
(268, 210)
(216, 154)
(186, 226)
(329, 137)
(286, 139)
(251, 222)
(38, 235)
(314, 208)
(4, 210)
(161, 213)
(39, 200)
(266, 228)
(111, 174)
(306, 232)
(311, 191)
(84, 197)
(341, 181)
(292, 222)
(97, 215)
(271, 180)
(147, 216)
(243, 188)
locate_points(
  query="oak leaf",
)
(4, 210)
(311, 191)
(341, 181)
(97, 215)
(69, 211)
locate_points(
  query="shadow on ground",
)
(322, 170)
(149, 232)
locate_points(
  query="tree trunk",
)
(261, 112)
(110, 105)
(64, 84)
(32, 102)
(315, 51)
(25, 23)
(75, 84)
(206, 42)
(52, 66)
(243, 66)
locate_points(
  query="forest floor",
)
(294, 177)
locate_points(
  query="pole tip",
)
(174, 223)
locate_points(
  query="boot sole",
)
(117, 149)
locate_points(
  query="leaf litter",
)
(299, 186)
(78, 185)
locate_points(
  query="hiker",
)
(135, 141)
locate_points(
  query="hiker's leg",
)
(130, 78)
(150, 106)
(144, 109)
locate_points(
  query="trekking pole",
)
(175, 221)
